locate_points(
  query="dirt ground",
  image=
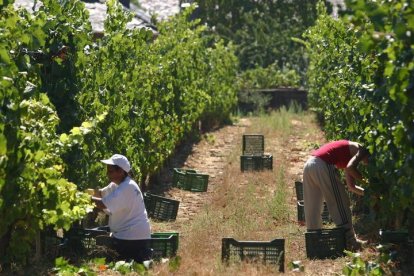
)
(210, 156)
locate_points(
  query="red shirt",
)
(336, 152)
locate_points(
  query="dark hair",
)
(365, 151)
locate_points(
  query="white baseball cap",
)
(119, 160)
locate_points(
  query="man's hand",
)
(350, 183)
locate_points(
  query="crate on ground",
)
(179, 177)
(161, 208)
(78, 241)
(325, 243)
(97, 231)
(394, 236)
(197, 182)
(164, 245)
(106, 241)
(256, 163)
(272, 252)
(253, 144)
(190, 180)
(51, 243)
(100, 235)
(299, 190)
(301, 211)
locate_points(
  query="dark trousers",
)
(137, 250)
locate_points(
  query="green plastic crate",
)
(299, 190)
(147, 201)
(98, 236)
(253, 144)
(301, 211)
(190, 180)
(256, 163)
(51, 243)
(325, 243)
(179, 177)
(272, 252)
(77, 241)
(197, 182)
(394, 236)
(164, 245)
(161, 208)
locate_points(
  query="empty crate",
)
(299, 190)
(253, 144)
(272, 252)
(301, 211)
(394, 236)
(256, 163)
(179, 177)
(164, 245)
(190, 180)
(325, 243)
(197, 182)
(79, 240)
(51, 243)
(161, 208)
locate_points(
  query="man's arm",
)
(350, 183)
(351, 168)
(352, 165)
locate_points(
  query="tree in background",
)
(262, 30)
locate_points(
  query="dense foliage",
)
(361, 80)
(33, 191)
(269, 77)
(262, 30)
(68, 101)
(153, 92)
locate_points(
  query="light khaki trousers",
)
(321, 181)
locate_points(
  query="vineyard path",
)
(210, 156)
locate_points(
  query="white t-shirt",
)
(108, 189)
(128, 218)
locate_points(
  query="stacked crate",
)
(253, 157)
